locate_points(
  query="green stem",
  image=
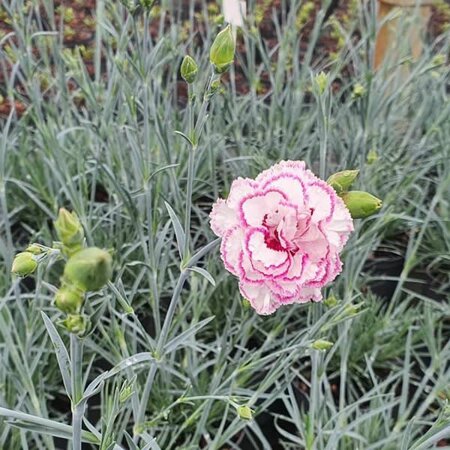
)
(313, 400)
(194, 135)
(76, 354)
(189, 188)
(324, 137)
(159, 348)
(190, 175)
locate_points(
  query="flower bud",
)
(246, 305)
(341, 181)
(222, 50)
(69, 299)
(244, 412)
(361, 204)
(76, 324)
(69, 230)
(89, 269)
(331, 301)
(439, 59)
(147, 4)
(351, 310)
(358, 90)
(189, 69)
(372, 156)
(126, 392)
(322, 345)
(35, 249)
(321, 81)
(216, 85)
(24, 264)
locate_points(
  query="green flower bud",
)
(125, 393)
(322, 345)
(246, 305)
(245, 412)
(351, 310)
(331, 301)
(361, 204)
(358, 90)
(439, 59)
(76, 324)
(24, 264)
(321, 81)
(216, 85)
(341, 181)
(147, 4)
(69, 231)
(372, 156)
(189, 69)
(69, 299)
(89, 269)
(35, 249)
(222, 50)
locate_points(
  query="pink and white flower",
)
(282, 234)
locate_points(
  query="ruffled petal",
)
(255, 207)
(260, 252)
(321, 200)
(231, 249)
(281, 235)
(240, 188)
(222, 217)
(289, 184)
(259, 297)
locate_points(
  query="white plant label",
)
(234, 12)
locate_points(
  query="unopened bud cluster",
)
(221, 56)
(86, 269)
(360, 204)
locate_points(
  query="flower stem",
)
(76, 353)
(160, 346)
(195, 129)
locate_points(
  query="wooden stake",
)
(393, 31)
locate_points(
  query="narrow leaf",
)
(61, 352)
(179, 233)
(205, 274)
(95, 386)
(185, 336)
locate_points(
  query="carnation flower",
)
(282, 234)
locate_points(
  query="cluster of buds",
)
(360, 204)
(69, 231)
(25, 263)
(221, 56)
(136, 6)
(86, 269)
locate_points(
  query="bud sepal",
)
(24, 264)
(361, 204)
(70, 231)
(222, 50)
(78, 324)
(189, 69)
(69, 299)
(89, 269)
(244, 412)
(342, 181)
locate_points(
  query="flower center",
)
(272, 240)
